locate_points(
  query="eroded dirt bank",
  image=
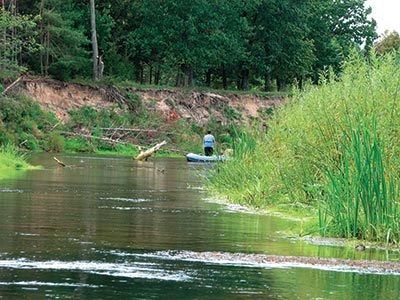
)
(173, 104)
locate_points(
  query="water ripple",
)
(128, 270)
(134, 200)
(39, 283)
(8, 190)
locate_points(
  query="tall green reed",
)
(359, 200)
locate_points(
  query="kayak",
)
(202, 158)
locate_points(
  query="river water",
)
(115, 228)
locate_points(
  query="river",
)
(115, 228)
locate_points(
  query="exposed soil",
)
(197, 106)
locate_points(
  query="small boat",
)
(202, 158)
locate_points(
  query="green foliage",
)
(11, 158)
(54, 142)
(234, 44)
(334, 147)
(134, 102)
(18, 38)
(79, 145)
(64, 27)
(22, 122)
(241, 176)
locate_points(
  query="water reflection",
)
(107, 228)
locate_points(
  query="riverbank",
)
(10, 160)
(172, 104)
(108, 118)
(333, 150)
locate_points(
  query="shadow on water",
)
(115, 228)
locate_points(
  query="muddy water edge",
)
(115, 228)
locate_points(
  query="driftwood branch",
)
(147, 153)
(60, 162)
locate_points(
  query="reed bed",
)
(333, 148)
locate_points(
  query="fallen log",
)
(88, 136)
(145, 154)
(129, 129)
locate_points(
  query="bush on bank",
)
(334, 149)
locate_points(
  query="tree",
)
(18, 40)
(219, 43)
(97, 62)
(338, 27)
(390, 41)
(64, 52)
(285, 51)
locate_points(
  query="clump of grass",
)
(334, 147)
(10, 158)
(240, 177)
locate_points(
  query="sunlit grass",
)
(11, 159)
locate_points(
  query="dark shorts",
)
(208, 151)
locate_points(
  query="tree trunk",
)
(185, 77)
(150, 74)
(300, 82)
(244, 82)
(157, 76)
(47, 59)
(280, 83)
(224, 79)
(267, 83)
(94, 41)
(208, 78)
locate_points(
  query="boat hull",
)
(202, 158)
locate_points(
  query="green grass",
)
(11, 159)
(334, 148)
(360, 201)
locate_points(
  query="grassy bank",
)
(11, 159)
(332, 152)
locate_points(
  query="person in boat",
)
(208, 142)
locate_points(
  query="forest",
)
(263, 45)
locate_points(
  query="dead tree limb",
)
(88, 136)
(60, 162)
(129, 129)
(147, 153)
(12, 85)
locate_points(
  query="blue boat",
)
(202, 158)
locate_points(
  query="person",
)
(208, 142)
